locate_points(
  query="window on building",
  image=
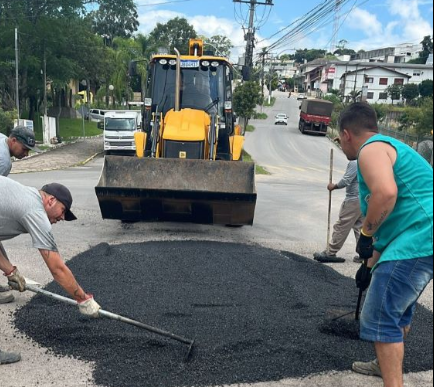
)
(384, 81)
(369, 80)
(384, 96)
(417, 74)
(399, 81)
(370, 95)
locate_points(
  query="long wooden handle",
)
(330, 200)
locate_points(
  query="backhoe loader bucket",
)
(175, 190)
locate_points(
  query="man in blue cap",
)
(19, 144)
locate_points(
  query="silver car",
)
(281, 119)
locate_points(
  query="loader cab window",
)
(202, 88)
(120, 124)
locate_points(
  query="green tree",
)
(176, 33)
(428, 47)
(394, 92)
(425, 124)
(221, 44)
(427, 44)
(426, 88)
(410, 92)
(115, 18)
(308, 55)
(246, 97)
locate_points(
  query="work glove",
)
(365, 247)
(16, 280)
(364, 277)
(89, 307)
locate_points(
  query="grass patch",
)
(70, 129)
(260, 116)
(73, 128)
(259, 170)
(271, 104)
(250, 128)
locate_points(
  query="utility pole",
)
(250, 35)
(45, 83)
(17, 80)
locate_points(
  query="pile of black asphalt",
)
(257, 316)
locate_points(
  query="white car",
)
(281, 119)
(301, 97)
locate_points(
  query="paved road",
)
(291, 215)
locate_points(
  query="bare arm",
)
(5, 265)
(376, 163)
(63, 275)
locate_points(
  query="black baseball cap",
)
(26, 137)
(63, 195)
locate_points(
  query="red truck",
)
(315, 116)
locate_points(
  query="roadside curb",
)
(79, 164)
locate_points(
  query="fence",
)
(422, 144)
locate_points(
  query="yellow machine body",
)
(188, 166)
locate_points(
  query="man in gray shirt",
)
(350, 216)
(18, 145)
(26, 210)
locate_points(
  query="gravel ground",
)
(257, 316)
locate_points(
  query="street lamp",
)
(112, 89)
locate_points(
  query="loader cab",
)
(206, 86)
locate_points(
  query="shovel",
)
(112, 316)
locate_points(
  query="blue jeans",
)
(392, 297)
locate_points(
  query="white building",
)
(373, 82)
(321, 76)
(399, 54)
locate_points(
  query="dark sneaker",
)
(4, 289)
(357, 259)
(6, 298)
(324, 257)
(371, 368)
(9, 358)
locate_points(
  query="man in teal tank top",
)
(396, 193)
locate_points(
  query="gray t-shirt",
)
(350, 182)
(5, 156)
(22, 212)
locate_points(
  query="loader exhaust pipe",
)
(178, 81)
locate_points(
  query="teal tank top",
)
(408, 232)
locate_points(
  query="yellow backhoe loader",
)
(188, 166)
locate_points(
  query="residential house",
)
(372, 82)
(321, 76)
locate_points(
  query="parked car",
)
(301, 97)
(97, 115)
(281, 119)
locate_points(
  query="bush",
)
(7, 121)
(260, 116)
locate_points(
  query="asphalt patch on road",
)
(257, 316)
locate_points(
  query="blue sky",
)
(370, 24)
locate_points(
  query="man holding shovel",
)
(350, 216)
(25, 210)
(396, 190)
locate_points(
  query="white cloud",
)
(204, 25)
(408, 25)
(365, 21)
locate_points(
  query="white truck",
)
(119, 128)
